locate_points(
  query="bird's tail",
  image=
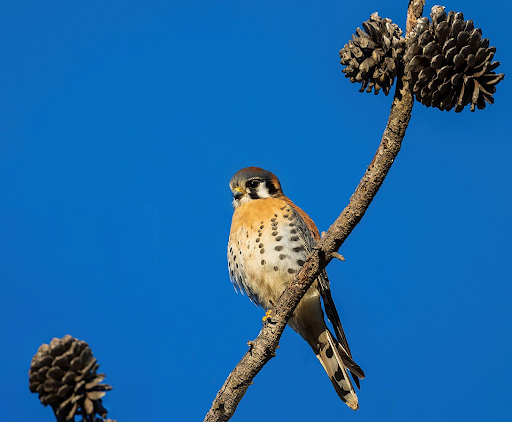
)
(329, 352)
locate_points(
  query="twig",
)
(338, 256)
(263, 348)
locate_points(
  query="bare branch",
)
(263, 348)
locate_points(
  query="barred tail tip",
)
(353, 402)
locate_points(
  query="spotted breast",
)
(266, 250)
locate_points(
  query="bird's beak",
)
(238, 193)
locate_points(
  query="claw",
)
(267, 315)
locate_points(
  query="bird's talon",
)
(267, 315)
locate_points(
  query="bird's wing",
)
(304, 223)
(309, 237)
(332, 314)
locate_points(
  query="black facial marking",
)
(270, 187)
(254, 195)
(278, 248)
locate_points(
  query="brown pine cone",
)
(371, 57)
(64, 374)
(448, 63)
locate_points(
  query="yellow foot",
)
(267, 315)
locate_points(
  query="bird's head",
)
(252, 183)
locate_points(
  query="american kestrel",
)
(269, 242)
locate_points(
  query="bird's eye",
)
(253, 184)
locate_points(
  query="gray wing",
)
(332, 314)
(308, 241)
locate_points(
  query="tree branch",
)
(263, 348)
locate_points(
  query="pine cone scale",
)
(459, 61)
(64, 375)
(370, 56)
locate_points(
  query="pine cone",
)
(64, 374)
(448, 63)
(371, 57)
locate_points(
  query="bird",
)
(269, 241)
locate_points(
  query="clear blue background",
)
(121, 125)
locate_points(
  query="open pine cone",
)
(64, 374)
(371, 57)
(449, 64)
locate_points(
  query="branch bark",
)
(263, 348)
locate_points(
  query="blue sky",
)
(121, 124)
